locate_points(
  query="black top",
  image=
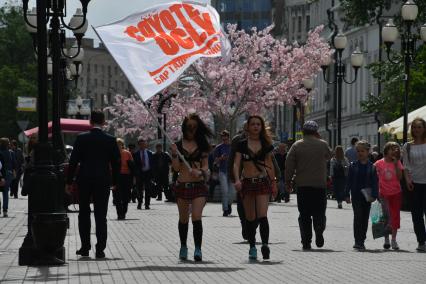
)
(97, 153)
(248, 155)
(195, 156)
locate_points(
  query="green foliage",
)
(390, 102)
(17, 69)
(361, 12)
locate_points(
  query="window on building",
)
(308, 22)
(88, 68)
(103, 69)
(102, 83)
(96, 82)
(299, 24)
(293, 24)
(115, 70)
(109, 70)
(116, 85)
(96, 68)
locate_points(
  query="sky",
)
(101, 12)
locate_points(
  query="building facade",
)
(246, 14)
(301, 16)
(101, 77)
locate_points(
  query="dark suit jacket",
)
(98, 156)
(138, 163)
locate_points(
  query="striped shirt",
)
(416, 163)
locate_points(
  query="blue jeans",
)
(228, 190)
(8, 181)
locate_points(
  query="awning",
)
(396, 127)
(68, 125)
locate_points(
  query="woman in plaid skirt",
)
(254, 180)
(190, 187)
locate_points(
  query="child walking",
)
(362, 175)
(389, 171)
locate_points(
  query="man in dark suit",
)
(161, 162)
(99, 159)
(143, 164)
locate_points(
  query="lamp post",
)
(357, 59)
(163, 99)
(390, 34)
(47, 220)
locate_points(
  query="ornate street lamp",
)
(390, 34)
(47, 220)
(163, 99)
(357, 58)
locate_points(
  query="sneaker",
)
(359, 247)
(198, 256)
(421, 248)
(5, 214)
(386, 245)
(265, 251)
(229, 209)
(394, 245)
(253, 253)
(340, 206)
(183, 253)
(225, 213)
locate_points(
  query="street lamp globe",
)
(79, 101)
(325, 61)
(409, 11)
(49, 67)
(73, 51)
(357, 58)
(423, 33)
(32, 19)
(308, 84)
(390, 32)
(340, 41)
(76, 71)
(77, 21)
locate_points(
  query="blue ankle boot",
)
(253, 253)
(198, 256)
(183, 253)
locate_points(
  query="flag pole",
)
(163, 131)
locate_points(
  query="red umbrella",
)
(68, 125)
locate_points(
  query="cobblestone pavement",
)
(144, 249)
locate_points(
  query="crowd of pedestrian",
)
(247, 169)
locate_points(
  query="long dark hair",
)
(264, 135)
(202, 133)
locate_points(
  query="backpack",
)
(339, 170)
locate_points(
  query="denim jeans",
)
(228, 190)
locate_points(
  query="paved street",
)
(144, 249)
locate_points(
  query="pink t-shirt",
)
(389, 184)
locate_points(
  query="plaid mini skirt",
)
(256, 186)
(190, 190)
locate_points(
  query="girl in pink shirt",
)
(389, 171)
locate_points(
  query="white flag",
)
(155, 46)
